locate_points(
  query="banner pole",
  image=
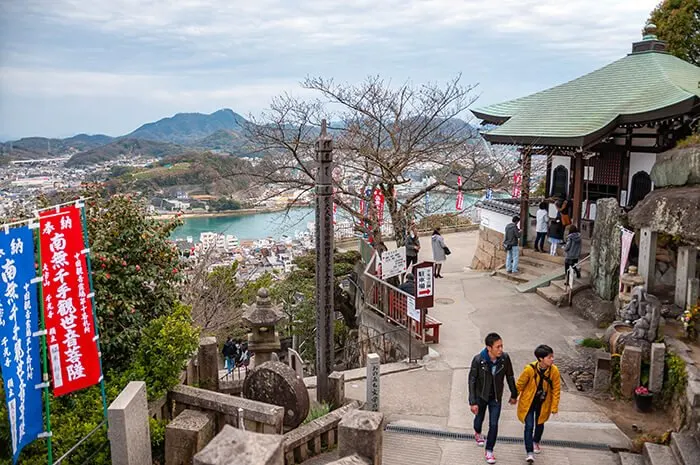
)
(94, 312)
(44, 358)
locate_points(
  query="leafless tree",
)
(383, 136)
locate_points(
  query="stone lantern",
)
(262, 317)
(629, 281)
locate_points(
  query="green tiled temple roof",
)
(637, 88)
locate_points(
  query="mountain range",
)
(221, 130)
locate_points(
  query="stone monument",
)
(605, 249)
(262, 317)
(277, 384)
(629, 281)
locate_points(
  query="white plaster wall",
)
(640, 162)
(494, 221)
(556, 161)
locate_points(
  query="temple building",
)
(601, 132)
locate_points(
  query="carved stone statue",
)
(644, 314)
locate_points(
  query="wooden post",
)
(525, 194)
(578, 189)
(548, 176)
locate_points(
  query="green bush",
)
(592, 343)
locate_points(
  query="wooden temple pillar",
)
(548, 177)
(578, 189)
(525, 194)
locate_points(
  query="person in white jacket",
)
(542, 226)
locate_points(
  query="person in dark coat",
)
(409, 286)
(556, 235)
(572, 250)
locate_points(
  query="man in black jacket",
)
(489, 369)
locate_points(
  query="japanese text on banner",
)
(68, 309)
(19, 349)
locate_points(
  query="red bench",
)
(433, 325)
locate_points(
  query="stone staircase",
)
(683, 450)
(544, 274)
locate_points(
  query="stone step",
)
(685, 448)
(516, 277)
(532, 285)
(578, 283)
(627, 458)
(657, 454)
(693, 393)
(539, 262)
(558, 260)
(553, 295)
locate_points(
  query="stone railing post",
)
(373, 377)
(630, 370)
(336, 383)
(129, 433)
(360, 432)
(208, 359)
(186, 435)
(232, 445)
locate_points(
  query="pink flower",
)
(642, 391)
(138, 268)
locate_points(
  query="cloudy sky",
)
(107, 66)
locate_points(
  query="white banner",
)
(627, 237)
(393, 262)
(413, 313)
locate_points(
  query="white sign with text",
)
(393, 262)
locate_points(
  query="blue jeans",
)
(539, 240)
(512, 258)
(494, 414)
(530, 425)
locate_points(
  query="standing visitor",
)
(489, 369)
(229, 353)
(510, 243)
(412, 248)
(409, 286)
(542, 226)
(556, 235)
(539, 386)
(440, 251)
(573, 251)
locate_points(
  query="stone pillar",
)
(605, 249)
(208, 359)
(235, 446)
(295, 362)
(324, 265)
(186, 435)
(129, 433)
(647, 257)
(336, 383)
(603, 372)
(630, 370)
(656, 369)
(693, 291)
(360, 432)
(685, 270)
(373, 378)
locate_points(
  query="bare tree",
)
(384, 137)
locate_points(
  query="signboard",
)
(517, 184)
(425, 284)
(411, 309)
(72, 347)
(378, 199)
(393, 262)
(19, 347)
(460, 195)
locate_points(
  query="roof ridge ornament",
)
(649, 32)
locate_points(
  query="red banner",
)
(379, 204)
(72, 347)
(517, 184)
(460, 195)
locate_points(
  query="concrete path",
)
(471, 304)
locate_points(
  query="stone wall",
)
(489, 253)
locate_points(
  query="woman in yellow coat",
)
(539, 387)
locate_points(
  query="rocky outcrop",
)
(605, 249)
(489, 253)
(673, 211)
(677, 167)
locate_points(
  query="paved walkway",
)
(471, 304)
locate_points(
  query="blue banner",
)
(19, 348)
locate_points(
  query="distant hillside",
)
(195, 173)
(186, 128)
(42, 147)
(126, 147)
(223, 139)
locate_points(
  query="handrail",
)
(569, 277)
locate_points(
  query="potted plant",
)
(689, 318)
(643, 399)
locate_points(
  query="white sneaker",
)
(530, 458)
(537, 448)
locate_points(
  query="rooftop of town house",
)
(646, 85)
